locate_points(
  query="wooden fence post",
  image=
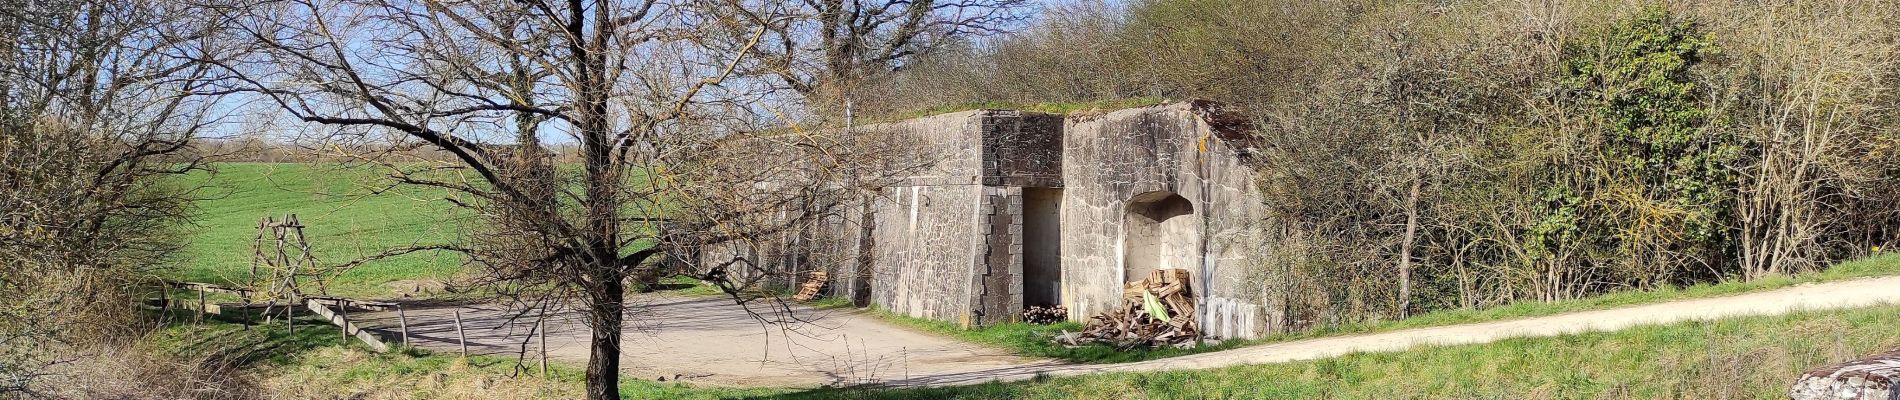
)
(343, 314)
(200, 316)
(403, 321)
(459, 335)
(544, 342)
(290, 314)
(246, 319)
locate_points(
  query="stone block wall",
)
(1110, 160)
(1114, 194)
(927, 249)
(948, 242)
(998, 277)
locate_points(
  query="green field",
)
(344, 221)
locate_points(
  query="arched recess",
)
(1158, 231)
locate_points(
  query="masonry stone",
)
(1021, 209)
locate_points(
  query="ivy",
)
(1637, 78)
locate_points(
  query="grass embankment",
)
(1754, 357)
(343, 220)
(1879, 265)
(1033, 340)
(316, 362)
(1059, 108)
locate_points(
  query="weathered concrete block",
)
(949, 250)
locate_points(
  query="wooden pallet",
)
(814, 283)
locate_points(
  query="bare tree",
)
(100, 104)
(671, 154)
(824, 49)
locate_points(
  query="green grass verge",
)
(1059, 108)
(1755, 357)
(316, 362)
(1035, 340)
(1880, 265)
(344, 221)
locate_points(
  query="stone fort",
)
(1023, 209)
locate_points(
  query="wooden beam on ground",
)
(206, 308)
(340, 301)
(349, 329)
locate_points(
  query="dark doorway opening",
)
(1042, 247)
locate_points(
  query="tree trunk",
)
(606, 308)
(1405, 250)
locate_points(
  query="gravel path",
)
(707, 340)
(712, 341)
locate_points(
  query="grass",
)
(1879, 265)
(316, 362)
(1755, 357)
(1034, 340)
(1059, 108)
(343, 221)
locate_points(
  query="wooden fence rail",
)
(333, 309)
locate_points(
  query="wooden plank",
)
(349, 329)
(207, 308)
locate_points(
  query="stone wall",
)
(1069, 207)
(948, 242)
(1135, 157)
(926, 250)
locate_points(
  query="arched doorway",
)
(1157, 232)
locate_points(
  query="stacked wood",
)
(814, 284)
(1045, 315)
(1874, 377)
(1156, 311)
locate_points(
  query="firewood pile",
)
(1045, 315)
(1156, 311)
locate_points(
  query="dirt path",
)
(711, 341)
